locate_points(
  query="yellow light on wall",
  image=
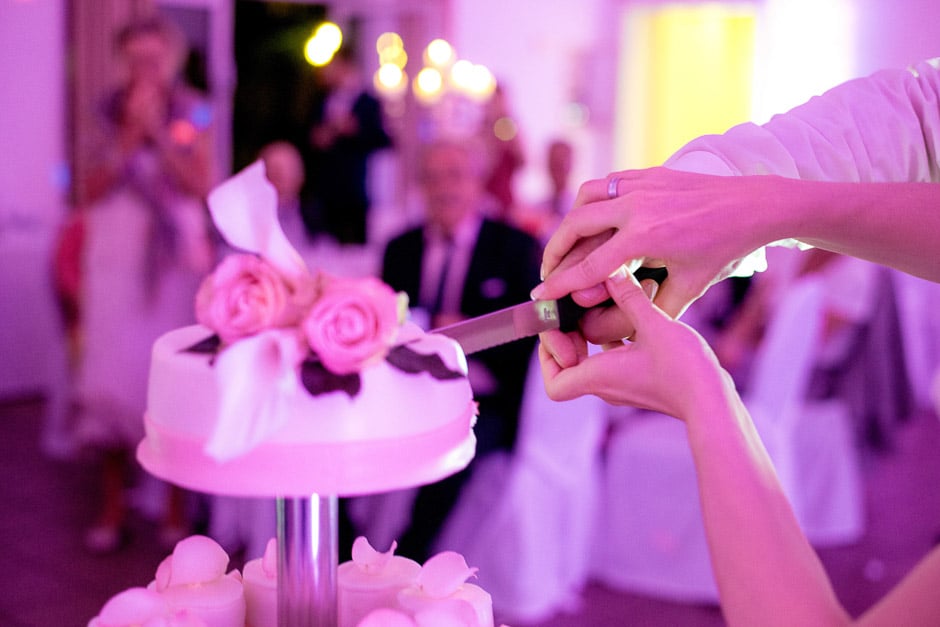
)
(688, 71)
(323, 44)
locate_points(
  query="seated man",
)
(461, 264)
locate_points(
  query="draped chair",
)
(527, 520)
(650, 537)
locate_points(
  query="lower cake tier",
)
(282, 469)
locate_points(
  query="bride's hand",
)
(665, 367)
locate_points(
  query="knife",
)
(527, 319)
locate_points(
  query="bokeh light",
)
(182, 132)
(439, 53)
(428, 84)
(505, 129)
(388, 41)
(482, 82)
(442, 76)
(323, 44)
(461, 75)
(391, 49)
(390, 79)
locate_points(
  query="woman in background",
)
(146, 247)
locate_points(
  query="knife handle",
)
(570, 312)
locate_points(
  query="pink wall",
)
(32, 108)
(896, 34)
(521, 40)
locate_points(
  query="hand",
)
(599, 325)
(667, 367)
(699, 226)
(145, 109)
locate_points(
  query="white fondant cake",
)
(194, 579)
(259, 577)
(191, 588)
(401, 429)
(296, 382)
(370, 581)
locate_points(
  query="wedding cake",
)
(191, 588)
(296, 382)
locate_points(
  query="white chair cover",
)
(811, 443)
(917, 303)
(526, 521)
(651, 537)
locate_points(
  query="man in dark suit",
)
(461, 264)
(346, 129)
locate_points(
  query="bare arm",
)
(766, 570)
(894, 224)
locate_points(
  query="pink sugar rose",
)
(246, 295)
(352, 324)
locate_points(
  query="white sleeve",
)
(885, 127)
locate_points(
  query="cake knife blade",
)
(526, 319)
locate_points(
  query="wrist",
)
(807, 210)
(780, 214)
(712, 402)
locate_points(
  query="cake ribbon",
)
(255, 401)
(244, 209)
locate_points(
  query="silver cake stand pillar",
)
(307, 558)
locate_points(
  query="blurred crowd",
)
(131, 258)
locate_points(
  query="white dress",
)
(127, 303)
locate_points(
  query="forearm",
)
(767, 572)
(881, 129)
(893, 224)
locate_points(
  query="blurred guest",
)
(460, 264)
(506, 156)
(145, 248)
(347, 128)
(284, 167)
(543, 218)
(849, 303)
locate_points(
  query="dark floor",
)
(48, 579)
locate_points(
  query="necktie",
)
(438, 302)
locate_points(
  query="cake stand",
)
(307, 561)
